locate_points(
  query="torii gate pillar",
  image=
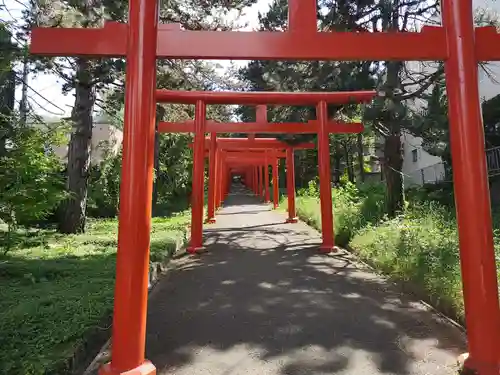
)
(325, 185)
(290, 185)
(267, 193)
(477, 255)
(198, 193)
(132, 262)
(276, 200)
(212, 179)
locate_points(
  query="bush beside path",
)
(418, 248)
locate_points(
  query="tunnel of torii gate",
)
(253, 168)
(142, 41)
(322, 126)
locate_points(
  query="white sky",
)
(50, 87)
(57, 104)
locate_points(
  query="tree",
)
(312, 76)
(7, 87)
(30, 177)
(89, 77)
(398, 83)
(431, 122)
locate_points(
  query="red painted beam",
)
(255, 127)
(263, 97)
(259, 156)
(255, 144)
(110, 41)
(485, 38)
(302, 17)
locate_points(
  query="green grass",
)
(419, 247)
(54, 289)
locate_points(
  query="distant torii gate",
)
(322, 126)
(214, 144)
(142, 41)
(264, 159)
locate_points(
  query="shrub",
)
(420, 246)
(104, 187)
(30, 179)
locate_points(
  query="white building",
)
(419, 166)
(104, 136)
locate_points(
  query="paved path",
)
(263, 301)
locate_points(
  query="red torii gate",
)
(260, 126)
(249, 145)
(264, 159)
(142, 41)
(213, 144)
(322, 126)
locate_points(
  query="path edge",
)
(158, 272)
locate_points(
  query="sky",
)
(51, 102)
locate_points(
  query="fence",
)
(432, 174)
(493, 160)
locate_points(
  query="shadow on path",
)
(263, 301)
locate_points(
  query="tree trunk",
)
(7, 99)
(361, 157)
(23, 104)
(348, 163)
(160, 113)
(393, 163)
(79, 150)
(336, 163)
(393, 153)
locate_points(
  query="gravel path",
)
(262, 301)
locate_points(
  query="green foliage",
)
(441, 193)
(55, 290)
(491, 118)
(104, 186)
(353, 207)
(30, 177)
(419, 246)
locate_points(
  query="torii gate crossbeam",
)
(456, 43)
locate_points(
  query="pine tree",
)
(88, 77)
(312, 76)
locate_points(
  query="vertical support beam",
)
(290, 185)
(217, 177)
(261, 114)
(263, 191)
(325, 186)
(212, 178)
(223, 168)
(261, 183)
(132, 263)
(198, 193)
(248, 178)
(255, 180)
(276, 192)
(302, 16)
(472, 198)
(267, 192)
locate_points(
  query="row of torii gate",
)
(142, 41)
(252, 156)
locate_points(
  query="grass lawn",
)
(54, 289)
